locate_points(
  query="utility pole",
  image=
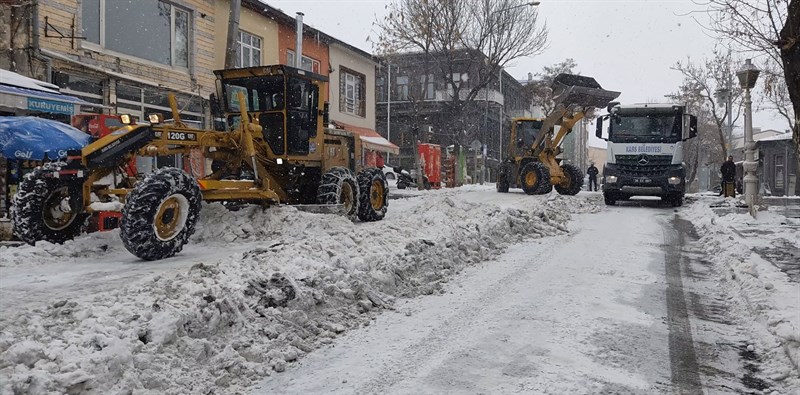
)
(388, 106)
(233, 33)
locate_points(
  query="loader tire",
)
(573, 180)
(339, 186)
(372, 200)
(47, 208)
(609, 199)
(160, 214)
(535, 178)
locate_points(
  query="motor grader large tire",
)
(535, 178)
(373, 200)
(47, 208)
(339, 186)
(573, 180)
(160, 214)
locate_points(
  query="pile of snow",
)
(730, 236)
(219, 325)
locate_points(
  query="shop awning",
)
(40, 101)
(370, 138)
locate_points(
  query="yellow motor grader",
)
(275, 150)
(532, 161)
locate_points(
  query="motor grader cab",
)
(532, 161)
(274, 150)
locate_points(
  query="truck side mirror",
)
(599, 130)
(692, 126)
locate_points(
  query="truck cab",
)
(645, 151)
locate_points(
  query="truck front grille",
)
(643, 165)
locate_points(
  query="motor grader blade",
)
(338, 209)
(578, 91)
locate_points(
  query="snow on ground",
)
(253, 290)
(736, 241)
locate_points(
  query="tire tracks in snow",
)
(437, 339)
(683, 358)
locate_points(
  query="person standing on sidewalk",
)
(592, 172)
(728, 170)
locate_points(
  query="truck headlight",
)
(611, 179)
(674, 180)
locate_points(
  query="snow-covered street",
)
(457, 291)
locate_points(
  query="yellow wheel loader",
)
(274, 150)
(532, 161)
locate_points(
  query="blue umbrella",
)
(31, 138)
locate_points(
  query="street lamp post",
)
(748, 74)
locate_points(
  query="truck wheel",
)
(338, 186)
(610, 199)
(372, 201)
(47, 208)
(572, 182)
(535, 178)
(160, 214)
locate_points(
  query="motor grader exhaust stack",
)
(532, 161)
(275, 150)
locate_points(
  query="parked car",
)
(388, 172)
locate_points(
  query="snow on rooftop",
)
(14, 79)
(777, 137)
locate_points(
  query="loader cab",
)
(283, 100)
(524, 132)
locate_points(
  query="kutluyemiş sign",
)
(50, 106)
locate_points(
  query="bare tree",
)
(486, 34)
(768, 27)
(702, 150)
(775, 96)
(706, 78)
(540, 90)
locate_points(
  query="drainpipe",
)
(37, 50)
(298, 53)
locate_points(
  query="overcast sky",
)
(626, 45)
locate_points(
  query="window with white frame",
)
(308, 64)
(352, 88)
(148, 29)
(249, 50)
(402, 88)
(458, 78)
(427, 86)
(380, 89)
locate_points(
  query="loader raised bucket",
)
(577, 90)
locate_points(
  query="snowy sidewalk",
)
(762, 258)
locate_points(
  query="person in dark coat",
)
(592, 172)
(728, 170)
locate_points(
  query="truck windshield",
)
(645, 128)
(262, 94)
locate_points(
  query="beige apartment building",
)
(124, 59)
